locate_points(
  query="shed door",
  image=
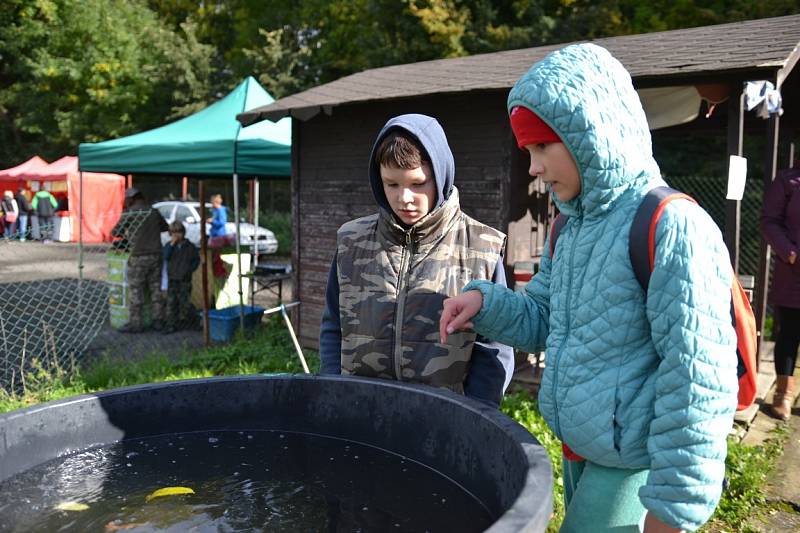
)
(530, 214)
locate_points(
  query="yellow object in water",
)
(71, 506)
(169, 491)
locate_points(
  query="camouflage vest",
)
(392, 283)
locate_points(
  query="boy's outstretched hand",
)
(457, 312)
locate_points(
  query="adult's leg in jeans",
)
(23, 227)
(46, 228)
(11, 229)
(602, 499)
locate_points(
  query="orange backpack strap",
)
(744, 321)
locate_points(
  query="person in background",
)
(218, 218)
(140, 228)
(24, 213)
(182, 259)
(780, 224)
(11, 214)
(392, 270)
(44, 205)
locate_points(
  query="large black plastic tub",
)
(487, 453)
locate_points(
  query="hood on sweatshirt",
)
(587, 97)
(430, 135)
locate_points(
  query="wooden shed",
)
(338, 121)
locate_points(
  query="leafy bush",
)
(280, 223)
(525, 410)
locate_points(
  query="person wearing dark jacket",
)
(44, 206)
(392, 270)
(780, 224)
(139, 230)
(24, 213)
(182, 259)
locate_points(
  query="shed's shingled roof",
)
(766, 44)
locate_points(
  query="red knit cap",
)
(530, 129)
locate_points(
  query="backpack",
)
(642, 243)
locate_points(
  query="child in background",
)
(641, 391)
(218, 218)
(182, 259)
(393, 269)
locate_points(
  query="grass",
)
(748, 470)
(270, 351)
(744, 500)
(280, 223)
(524, 409)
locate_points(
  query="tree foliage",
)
(86, 70)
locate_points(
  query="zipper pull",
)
(408, 238)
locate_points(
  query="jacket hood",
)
(431, 136)
(587, 97)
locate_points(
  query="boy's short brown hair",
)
(401, 150)
(177, 227)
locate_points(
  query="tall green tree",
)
(89, 70)
(322, 40)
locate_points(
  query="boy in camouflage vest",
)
(392, 270)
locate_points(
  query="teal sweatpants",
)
(602, 499)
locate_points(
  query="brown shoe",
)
(783, 398)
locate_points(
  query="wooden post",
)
(733, 207)
(185, 189)
(762, 276)
(203, 251)
(295, 195)
(130, 181)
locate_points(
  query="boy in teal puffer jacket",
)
(641, 391)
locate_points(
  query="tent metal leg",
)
(282, 308)
(238, 246)
(254, 201)
(203, 257)
(80, 226)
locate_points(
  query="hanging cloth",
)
(764, 97)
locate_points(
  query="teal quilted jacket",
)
(629, 382)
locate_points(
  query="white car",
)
(189, 214)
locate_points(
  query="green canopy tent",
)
(210, 142)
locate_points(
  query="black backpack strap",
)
(639, 239)
(555, 230)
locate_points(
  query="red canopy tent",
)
(13, 174)
(103, 194)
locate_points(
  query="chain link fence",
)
(709, 191)
(63, 304)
